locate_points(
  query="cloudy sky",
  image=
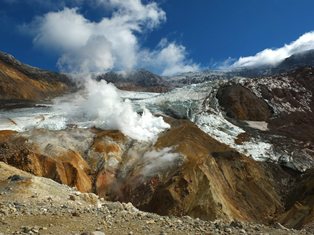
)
(165, 36)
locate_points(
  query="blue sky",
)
(185, 34)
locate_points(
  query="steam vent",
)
(156, 117)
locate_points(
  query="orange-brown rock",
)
(19, 82)
(67, 168)
(214, 182)
(300, 204)
(104, 158)
(211, 181)
(6, 134)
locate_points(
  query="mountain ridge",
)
(292, 62)
(23, 84)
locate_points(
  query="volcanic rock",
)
(300, 203)
(68, 167)
(299, 122)
(202, 177)
(211, 185)
(23, 84)
(140, 80)
(240, 103)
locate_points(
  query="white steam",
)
(90, 47)
(110, 43)
(275, 56)
(102, 107)
(157, 161)
(150, 163)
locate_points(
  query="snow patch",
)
(216, 126)
(262, 126)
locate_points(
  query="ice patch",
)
(29, 118)
(262, 126)
(220, 129)
(197, 102)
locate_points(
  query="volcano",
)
(224, 146)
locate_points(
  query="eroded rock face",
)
(23, 83)
(290, 96)
(288, 128)
(185, 172)
(298, 123)
(300, 204)
(105, 157)
(213, 182)
(240, 103)
(67, 167)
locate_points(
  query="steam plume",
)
(102, 107)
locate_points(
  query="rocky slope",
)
(185, 172)
(301, 59)
(20, 83)
(286, 105)
(285, 101)
(140, 80)
(295, 61)
(35, 205)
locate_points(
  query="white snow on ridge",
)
(216, 126)
(212, 123)
(187, 93)
(259, 125)
(132, 95)
(280, 105)
(29, 118)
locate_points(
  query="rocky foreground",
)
(36, 205)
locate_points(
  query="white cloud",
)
(169, 58)
(150, 15)
(111, 43)
(64, 30)
(275, 56)
(94, 56)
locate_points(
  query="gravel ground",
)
(75, 216)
